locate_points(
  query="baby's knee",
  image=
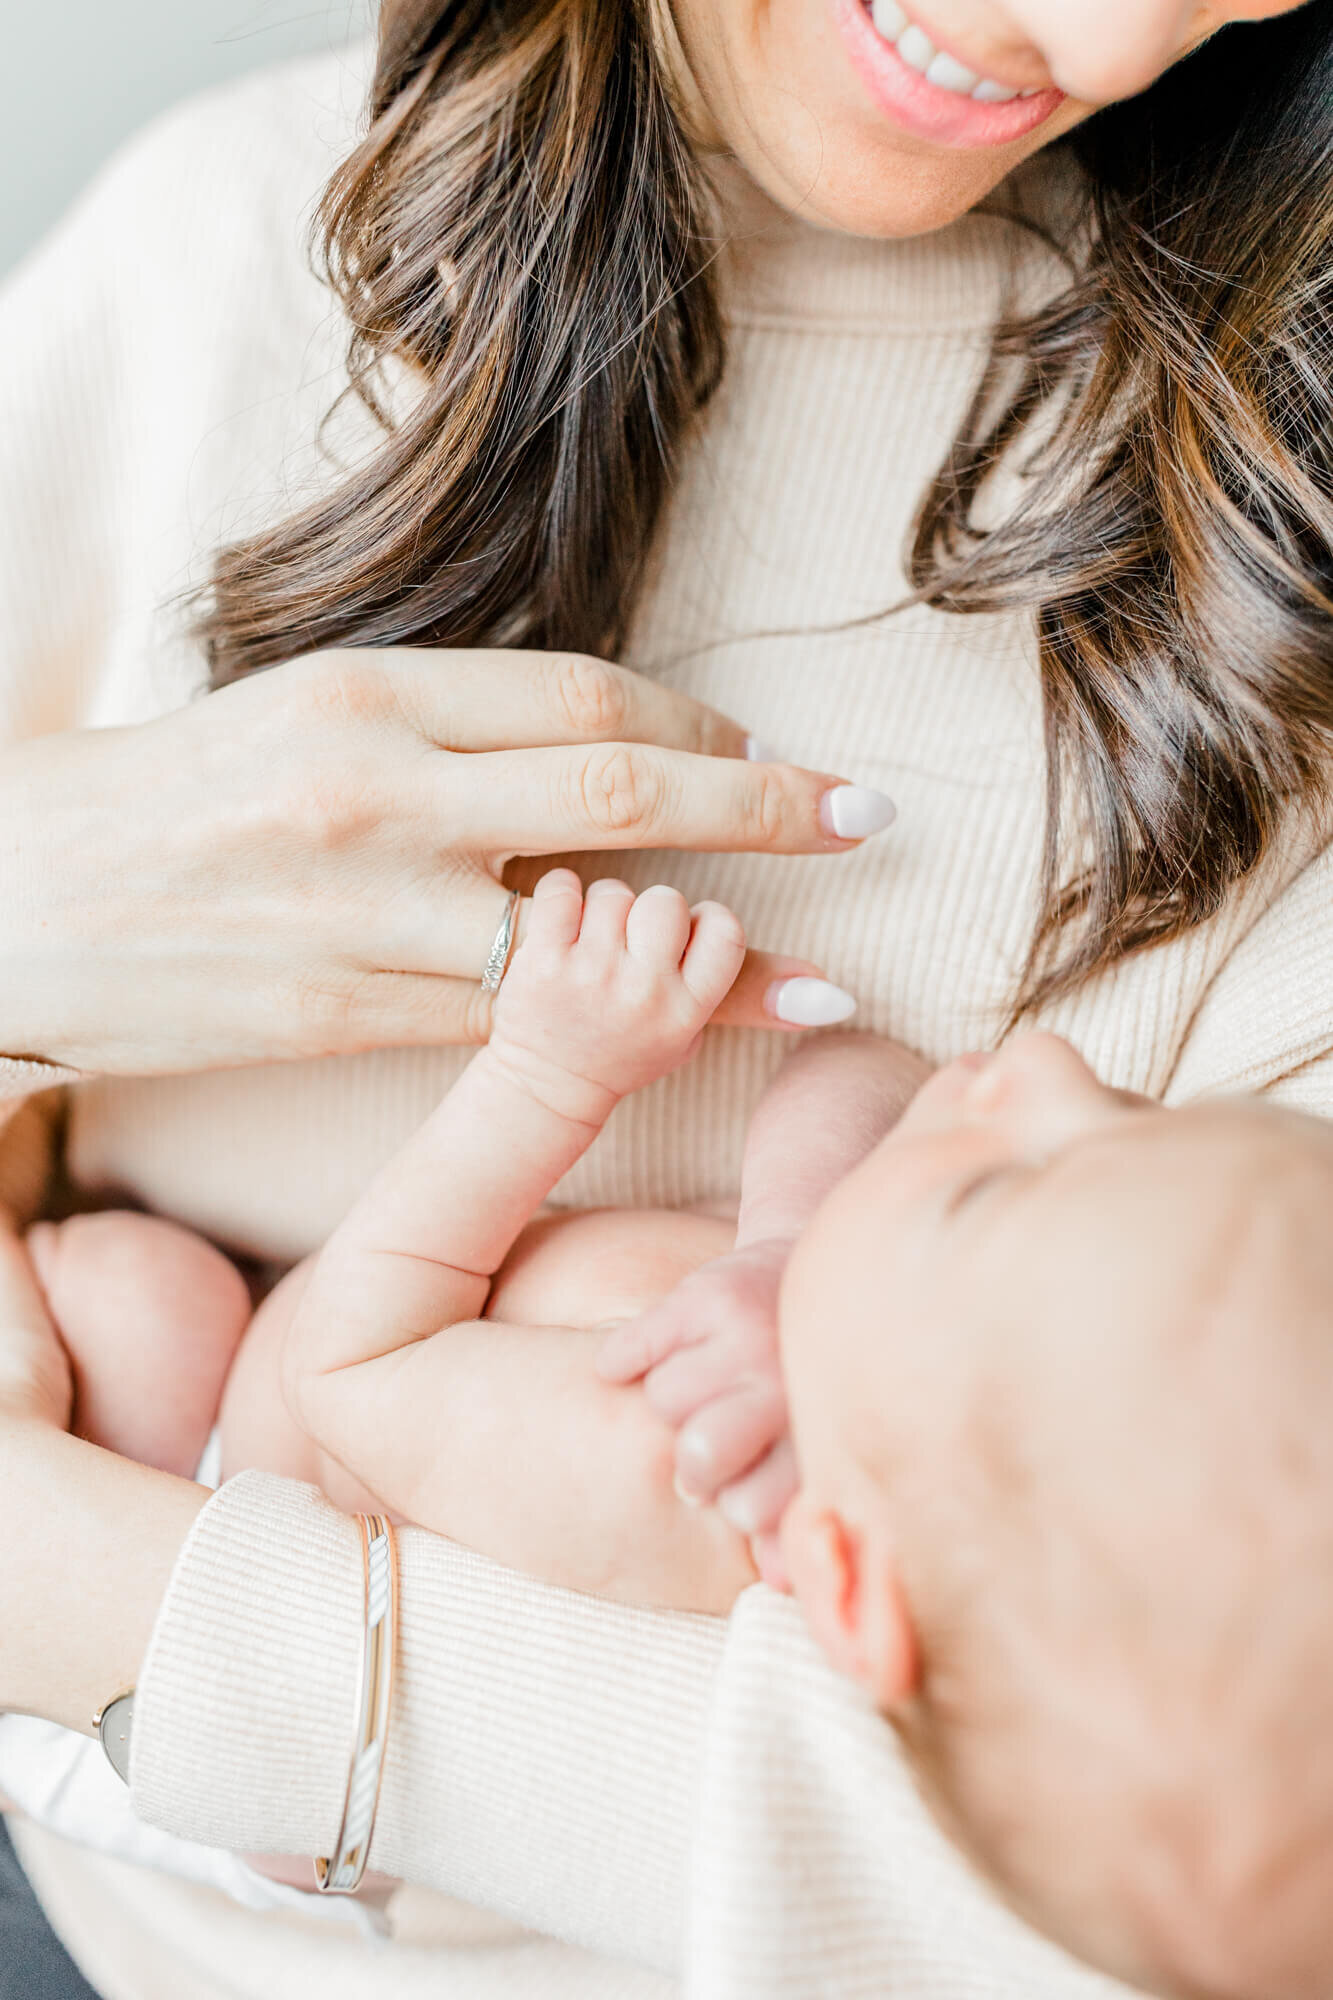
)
(114, 1265)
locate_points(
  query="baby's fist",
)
(708, 1359)
(611, 991)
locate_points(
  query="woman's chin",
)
(877, 190)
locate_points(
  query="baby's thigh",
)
(587, 1269)
(151, 1316)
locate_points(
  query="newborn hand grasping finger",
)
(610, 990)
(708, 1359)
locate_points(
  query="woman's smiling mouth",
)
(919, 52)
(927, 90)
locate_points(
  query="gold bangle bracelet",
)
(339, 1874)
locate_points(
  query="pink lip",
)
(923, 108)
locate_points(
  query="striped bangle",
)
(340, 1873)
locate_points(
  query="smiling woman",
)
(1176, 527)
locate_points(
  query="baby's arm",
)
(602, 998)
(709, 1352)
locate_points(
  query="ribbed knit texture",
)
(805, 1789)
(683, 1797)
(168, 358)
(470, 1638)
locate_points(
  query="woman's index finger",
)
(625, 795)
(491, 699)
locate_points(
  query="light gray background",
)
(77, 76)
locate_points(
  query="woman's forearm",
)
(518, 1706)
(545, 1751)
(87, 1550)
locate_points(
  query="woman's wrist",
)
(89, 1546)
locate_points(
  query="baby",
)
(1060, 1366)
(1060, 1384)
(377, 1369)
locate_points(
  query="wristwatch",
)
(113, 1724)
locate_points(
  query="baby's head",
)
(1060, 1366)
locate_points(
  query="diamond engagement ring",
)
(503, 949)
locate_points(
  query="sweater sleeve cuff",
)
(243, 1714)
(24, 1076)
(544, 1752)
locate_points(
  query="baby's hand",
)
(708, 1358)
(610, 991)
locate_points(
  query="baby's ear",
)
(889, 1635)
(849, 1590)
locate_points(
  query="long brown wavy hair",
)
(526, 226)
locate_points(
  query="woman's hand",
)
(310, 862)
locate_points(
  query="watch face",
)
(114, 1729)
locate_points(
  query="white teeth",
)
(889, 18)
(917, 50)
(951, 75)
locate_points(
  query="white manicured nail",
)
(759, 752)
(854, 812)
(810, 1003)
(690, 1499)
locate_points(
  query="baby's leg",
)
(151, 1315)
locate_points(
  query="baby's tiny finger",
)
(692, 1376)
(658, 927)
(725, 1439)
(606, 906)
(557, 907)
(756, 1504)
(637, 1345)
(715, 954)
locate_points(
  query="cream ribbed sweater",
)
(675, 1801)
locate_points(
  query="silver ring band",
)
(503, 949)
(340, 1873)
